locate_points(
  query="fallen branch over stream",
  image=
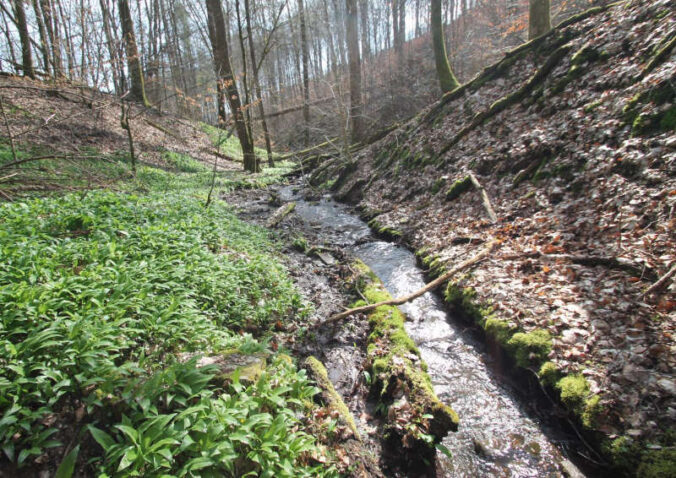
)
(431, 286)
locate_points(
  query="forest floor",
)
(572, 140)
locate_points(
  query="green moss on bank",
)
(384, 231)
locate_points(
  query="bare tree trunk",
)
(68, 38)
(418, 31)
(110, 43)
(395, 25)
(306, 74)
(52, 26)
(137, 92)
(365, 40)
(224, 74)
(539, 21)
(12, 55)
(44, 40)
(22, 26)
(257, 84)
(447, 79)
(352, 31)
(245, 77)
(402, 24)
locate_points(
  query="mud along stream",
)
(497, 435)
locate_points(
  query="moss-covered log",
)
(416, 418)
(329, 395)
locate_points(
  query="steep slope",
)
(572, 138)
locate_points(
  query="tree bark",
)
(137, 92)
(245, 75)
(365, 40)
(257, 84)
(306, 76)
(44, 40)
(447, 80)
(225, 77)
(22, 26)
(352, 30)
(110, 43)
(539, 21)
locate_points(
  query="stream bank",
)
(502, 432)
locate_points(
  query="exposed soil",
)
(67, 119)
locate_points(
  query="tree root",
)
(662, 282)
(512, 98)
(610, 262)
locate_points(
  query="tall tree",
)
(52, 26)
(447, 79)
(138, 92)
(354, 61)
(257, 83)
(539, 20)
(22, 25)
(224, 74)
(306, 74)
(110, 43)
(44, 41)
(365, 44)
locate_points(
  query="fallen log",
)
(431, 286)
(280, 214)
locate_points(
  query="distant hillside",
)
(572, 137)
(77, 133)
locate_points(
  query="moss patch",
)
(458, 188)
(384, 231)
(530, 349)
(500, 330)
(549, 374)
(575, 392)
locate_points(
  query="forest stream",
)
(497, 435)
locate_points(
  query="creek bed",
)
(496, 437)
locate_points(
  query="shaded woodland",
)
(290, 58)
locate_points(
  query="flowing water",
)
(496, 436)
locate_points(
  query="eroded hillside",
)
(572, 138)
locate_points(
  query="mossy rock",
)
(384, 231)
(248, 367)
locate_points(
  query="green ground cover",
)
(107, 301)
